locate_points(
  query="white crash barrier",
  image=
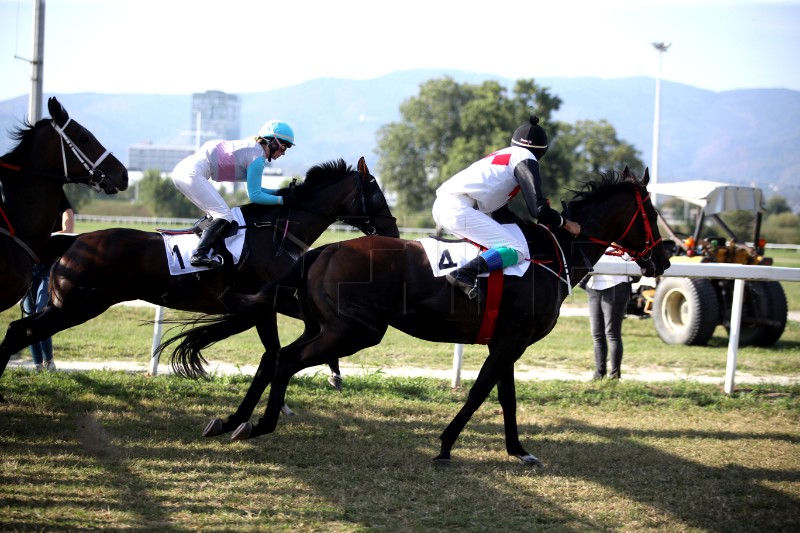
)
(739, 273)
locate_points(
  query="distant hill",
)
(746, 136)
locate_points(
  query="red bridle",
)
(650, 242)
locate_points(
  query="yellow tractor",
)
(688, 310)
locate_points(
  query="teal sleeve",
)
(255, 192)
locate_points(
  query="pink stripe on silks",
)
(226, 164)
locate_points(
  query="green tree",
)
(595, 148)
(448, 126)
(163, 198)
(783, 228)
(79, 195)
(777, 205)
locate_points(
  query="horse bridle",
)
(363, 222)
(95, 175)
(650, 242)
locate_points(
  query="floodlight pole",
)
(661, 47)
(35, 99)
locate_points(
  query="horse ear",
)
(646, 177)
(362, 167)
(57, 111)
(626, 173)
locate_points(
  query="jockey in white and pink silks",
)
(219, 160)
(464, 203)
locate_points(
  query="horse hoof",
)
(286, 410)
(213, 428)
(530, 460)
(441, 462)
(335, 381)
(242, 432)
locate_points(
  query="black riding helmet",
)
(531, 136)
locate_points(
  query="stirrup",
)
(215, 261)
(471, 290)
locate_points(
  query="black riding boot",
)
(208, 242)
(466, 277)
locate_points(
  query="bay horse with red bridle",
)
(351, 292)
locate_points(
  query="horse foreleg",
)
(507, 395)
(268, 333)
(487, 378)
(307, 351)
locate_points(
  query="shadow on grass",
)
(130, 454)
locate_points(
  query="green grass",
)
(111, 451)
(125, 333)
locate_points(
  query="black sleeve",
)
(530, 183)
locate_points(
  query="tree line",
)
(449, 125)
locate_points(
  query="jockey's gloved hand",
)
(289, 197)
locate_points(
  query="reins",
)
(650, 242)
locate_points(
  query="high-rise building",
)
(215, 115)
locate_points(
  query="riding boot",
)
(466, 277)
(204, 255)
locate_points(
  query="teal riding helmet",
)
(277, 129)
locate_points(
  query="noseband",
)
(95, 175)
(647, 253)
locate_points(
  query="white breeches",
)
(191, 178)
(456, 214)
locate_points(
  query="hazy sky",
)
(242, 46)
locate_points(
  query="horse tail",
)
(243, 312)
(187, 358)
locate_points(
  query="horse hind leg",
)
(267, 329)
(329, 344)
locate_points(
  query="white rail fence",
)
(738, 273)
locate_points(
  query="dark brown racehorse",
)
(102, 268)
(352, 291)
(50, 153)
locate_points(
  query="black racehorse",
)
(50, 153)
(102, 268)
(352, 291)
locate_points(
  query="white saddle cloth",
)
(446, 256)
(179, 248)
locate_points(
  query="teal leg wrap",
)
(498, 258)
(509, 256)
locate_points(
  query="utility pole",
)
(37, 63)
(661, 47)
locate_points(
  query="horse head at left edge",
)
(61, 149)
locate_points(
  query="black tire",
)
(685, 311)
(764, 314)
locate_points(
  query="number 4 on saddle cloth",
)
(446, 255)
(179, 246)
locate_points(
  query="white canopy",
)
(713, 196)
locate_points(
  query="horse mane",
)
(323, 174)
(23, 134)
(605, 185)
